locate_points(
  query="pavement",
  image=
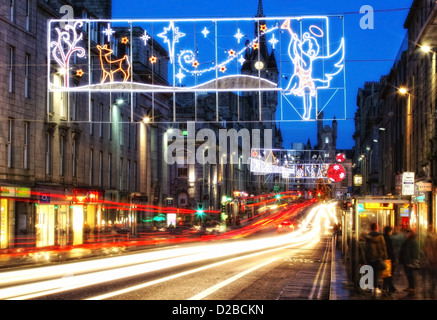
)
(343, 289)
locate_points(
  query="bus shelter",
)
(357, 216)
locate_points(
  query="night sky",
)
(370, 53)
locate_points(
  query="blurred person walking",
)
(409, 258)
(376, 254)
(388, 283)
(430, 263)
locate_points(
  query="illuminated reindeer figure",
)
(121, 65)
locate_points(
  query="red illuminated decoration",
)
(79, 73)
(93, 196)
(124, 40)
(231, 53)
(223, 69)
(263, 27)
(340, 157)
(336, 173)
(195, 64)
(153, 59)
(81, 196)
(255, 46)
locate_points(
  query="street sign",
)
(358, 180)
(423, 186)
(408, 183)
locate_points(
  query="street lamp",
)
(425, 48)
(146, 119)
(403, 91)
(408, 127)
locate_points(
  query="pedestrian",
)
(388, 283)
(430, 263)
(335, 233)
(376, 254)
(397, 238)
(409, 258)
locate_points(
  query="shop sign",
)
(15, 192)
(358, 180)
(377, 205)
(82, 196)
(44, 198)
(79, 196)
(424, 186)
(408, 183)
(404, 212)
(245, 194)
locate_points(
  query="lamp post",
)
(407, 150)
(363, 160)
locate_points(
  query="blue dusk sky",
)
(370, 53)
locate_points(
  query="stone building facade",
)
(73, 165)
(402, 122)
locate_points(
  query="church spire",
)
(260, 12)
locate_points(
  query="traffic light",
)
(200, 213)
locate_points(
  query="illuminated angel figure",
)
(304, 52)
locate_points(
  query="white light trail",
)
(220, 285)
(56, 279)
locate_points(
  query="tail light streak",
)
(82, 274)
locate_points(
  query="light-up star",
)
(205, 32)
(108, 32)
(231, 53)
(239, 35)
(180, 75)
(145, 37)
(273, 41)
(124, 40)
(223, 69)
(241, 60)
(171, 35)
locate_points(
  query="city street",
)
(264, 266)
(218, 152)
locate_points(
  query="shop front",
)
(418, 220)
(16, 217)
(88, 219)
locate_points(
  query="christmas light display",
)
(67, 45)
(340, 157)
(110, 67)
(304, 51)
(171, 35)
(296, 164)
(310, 74)
(336, 173)
(145, 37)
(108, 32)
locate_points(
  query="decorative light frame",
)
(299, 43)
